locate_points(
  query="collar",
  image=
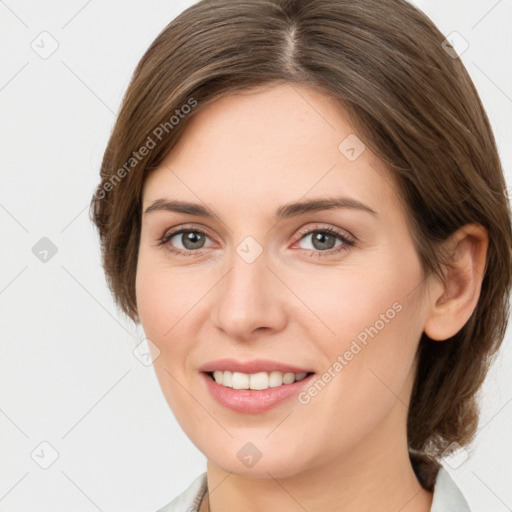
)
(447, 495)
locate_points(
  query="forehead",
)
(271, 144)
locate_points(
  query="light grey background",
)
(68, 374)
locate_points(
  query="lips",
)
(254, 366)
(243, 400)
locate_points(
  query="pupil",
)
(192, 240)
(320, 237)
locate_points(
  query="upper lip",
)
(253, 366)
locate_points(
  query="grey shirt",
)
(447, 496)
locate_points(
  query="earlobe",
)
(453, 301)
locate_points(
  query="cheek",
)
(165, 296)
(362, 302)
(163, 301)
(372, 320)
(152, 300)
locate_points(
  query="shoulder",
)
(447, 495)
(190, 499)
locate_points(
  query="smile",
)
(253, 386)
(255, 381)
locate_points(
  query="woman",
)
(303, 205)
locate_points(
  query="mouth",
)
(255, 386)
(256, 381)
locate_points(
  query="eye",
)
(190, 239)
(323, 241)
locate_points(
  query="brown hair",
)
(412, 103)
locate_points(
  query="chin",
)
(258, 459)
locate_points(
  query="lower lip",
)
(253, 401)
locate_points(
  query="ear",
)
(453, 301)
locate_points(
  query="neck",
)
(376, 474)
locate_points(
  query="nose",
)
(249, 299)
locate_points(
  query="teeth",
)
(256, 381)
(227, 379)
(288, 378)
(275, 379)
(240, 380)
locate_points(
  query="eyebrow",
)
(283, 212)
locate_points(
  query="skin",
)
(243, 156)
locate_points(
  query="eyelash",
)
(346, 241)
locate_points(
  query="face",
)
(262, 292)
